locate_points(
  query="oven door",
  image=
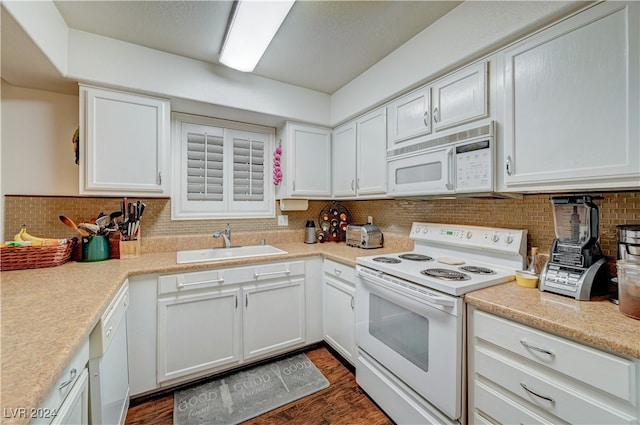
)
(415, 333)
(429, 172)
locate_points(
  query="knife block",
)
(121, 249)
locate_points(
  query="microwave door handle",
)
(450, 169)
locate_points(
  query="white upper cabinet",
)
(372, 159)
(305, 162)
(460, 97)
(359, 157)
(409, 117)
(344, 160)
(571, 96)
(124, 143)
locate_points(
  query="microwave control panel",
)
(474, 162)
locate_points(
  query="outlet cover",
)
(283, 220)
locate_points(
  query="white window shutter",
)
(224, 169)
(205, 167)
(248, 168)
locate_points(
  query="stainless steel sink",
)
(218, 254)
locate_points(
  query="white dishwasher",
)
(108, 363)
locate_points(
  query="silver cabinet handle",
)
(435, 114)
(352, 302)
(544, 397)
(425, 118)
(72, 377)
(236, 301)
(337, 271)
(534, 348)
(508, 165)
(246, 300)
(353, 182)
(358, 183)
(294, 185)
(109, 331)
(181, 285)
(256, 275)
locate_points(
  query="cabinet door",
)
(198, 332)
(125, 138)
(339, 317)
(571, 97)
(75, 409)
(310, 161)
(372, 157)
(460, 97)
(273, 317)
(344, 160)
(408, 117)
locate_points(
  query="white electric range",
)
(410, 323)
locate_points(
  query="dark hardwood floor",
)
(343, 402)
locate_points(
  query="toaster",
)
(364, 236)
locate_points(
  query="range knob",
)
(495, 238)
(509, 240)
(469, 235)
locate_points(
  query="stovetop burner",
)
(387, 260)
(477, 270)
(415, 257)
(445, 274)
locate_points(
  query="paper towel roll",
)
(294, 204)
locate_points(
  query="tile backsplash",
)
(533, 212)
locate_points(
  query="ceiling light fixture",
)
(253, 26)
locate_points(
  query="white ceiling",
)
(322, 45)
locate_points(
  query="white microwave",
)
(459, 163)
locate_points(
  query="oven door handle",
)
(376, 279)
(445, 302)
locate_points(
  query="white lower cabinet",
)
(187, 325)
(273, 314)
(68, 402)
(197, 332)
(339, 318)
(518, 374)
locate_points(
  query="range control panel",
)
(495, 239)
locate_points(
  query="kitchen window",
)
(222, 169)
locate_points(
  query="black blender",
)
(576, 266)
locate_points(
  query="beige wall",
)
(37, 153)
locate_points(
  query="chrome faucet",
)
(226, 234)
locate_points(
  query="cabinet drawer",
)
(198, 280)
(550, 392)
(501, 408)
(278, 270)
(339, 270)
(601, 370)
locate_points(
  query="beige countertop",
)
(597, 322)
(47, 313)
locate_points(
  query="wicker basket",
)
(35, 257)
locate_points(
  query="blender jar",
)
(574, 220)
(629, 288)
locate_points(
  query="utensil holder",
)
(121, 249)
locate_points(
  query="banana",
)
(18, 236)
(44, 241)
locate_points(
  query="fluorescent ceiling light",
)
(252, 28)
